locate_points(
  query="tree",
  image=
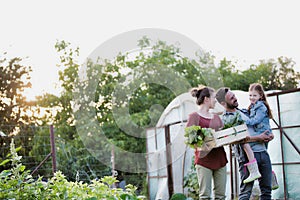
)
(72, 156)
(147, 102)
(14, 78)
(273, 74)
(73, 159)
(129, 94)
(230, 75)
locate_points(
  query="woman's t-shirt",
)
(216, 158)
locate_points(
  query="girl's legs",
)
(249, 152)
(251, 165)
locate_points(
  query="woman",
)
(213, 165)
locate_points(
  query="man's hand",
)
(263, 137)
(271, 137)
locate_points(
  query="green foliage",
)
(70, 149)
(208, 73)
(145, 98)
(277, 74)
(230, 75)
(190, 181)
(233, 120)
(40, 148)
(195, 135)
(14, 79)
(178, 196)
(273, 74)
(16, 183)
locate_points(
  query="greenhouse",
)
(170, 159)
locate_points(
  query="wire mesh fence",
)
(35, 147)
(33, 143)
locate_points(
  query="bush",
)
(191, 182)
(17, 183)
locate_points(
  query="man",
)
(229, 101)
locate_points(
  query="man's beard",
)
(232, 106)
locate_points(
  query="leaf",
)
(233, 121)
(195, 135)
(127, 197)
(92, 198)
(18, 148)
(4, 162)
(5, 173)
(22, 168)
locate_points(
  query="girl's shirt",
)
(259, 117)
(216, 158)
(259, 120)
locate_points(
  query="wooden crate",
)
(231, 135)
(223, 137)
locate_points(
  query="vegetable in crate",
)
(195, 135)
(233, 120)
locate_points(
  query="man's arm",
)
(264, 137)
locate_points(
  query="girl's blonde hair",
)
(259, 88)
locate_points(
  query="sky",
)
(241, 31)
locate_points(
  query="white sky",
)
(238, 30)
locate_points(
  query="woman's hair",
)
(259, 88)
(201, 92)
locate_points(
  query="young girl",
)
(259, 115)
(210, 167)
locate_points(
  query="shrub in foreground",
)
(17, 183)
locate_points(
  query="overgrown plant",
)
(190, 182)
(17, 183)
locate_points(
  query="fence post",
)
(53, 152)
(169, 160)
